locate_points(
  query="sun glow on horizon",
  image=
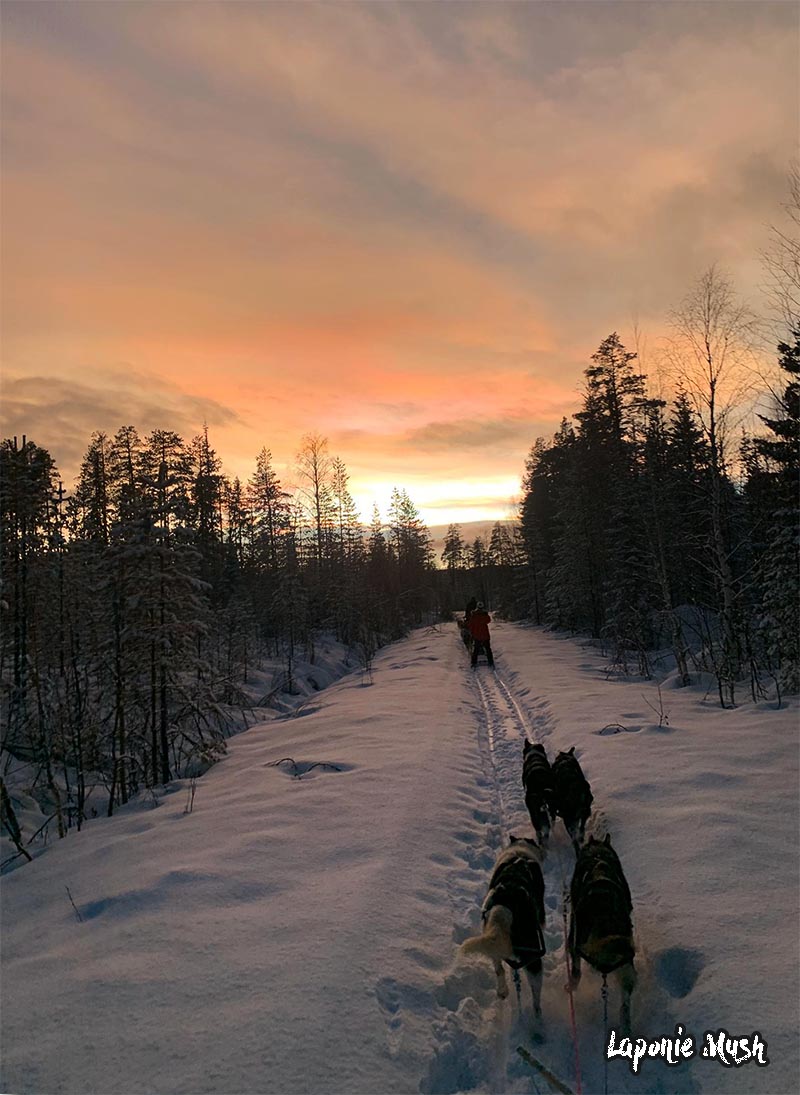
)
(443, 501)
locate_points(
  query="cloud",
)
(488, 501)
(473, 433)
(406, 226)
(573, 150)
(60, 415)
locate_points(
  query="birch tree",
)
(711, 350)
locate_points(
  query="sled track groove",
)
(502, 732)
(503, 729)
(504, 723)
(490, 750)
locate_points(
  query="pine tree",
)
(610, 437)
(378, 552)
(453, 553)
(687, 493)
(27, 489)
(537, 522)
(506, 557)
(92, 499)
(413, 554)
(238, 521)
(125, 461)
(268, 504)
(780, 563)
(661, 513)
(205, 495)
(348, 533)
(165, 475)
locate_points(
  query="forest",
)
(136, 606)
(653, 523)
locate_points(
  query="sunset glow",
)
(403, 226)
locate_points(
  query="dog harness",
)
(610, 891)
(516, 888)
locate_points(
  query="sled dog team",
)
(600, 928)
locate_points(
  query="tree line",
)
(137, 606)
(486, 568)
(653, 523)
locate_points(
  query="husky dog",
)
(513, 917)
(537, 779)
(572, 796)
(600, 928)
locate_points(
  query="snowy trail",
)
(502, 728)
(507, 713)
(300, 935)
(505, 725)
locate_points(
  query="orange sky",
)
(403, 226)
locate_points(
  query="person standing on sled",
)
(479, 620)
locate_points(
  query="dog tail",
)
(495, 940)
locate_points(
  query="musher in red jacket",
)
(479, 620)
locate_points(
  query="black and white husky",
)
(513, 917)
(600, 928)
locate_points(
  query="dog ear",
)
(513, 839)
(571, 751)
(608, 839)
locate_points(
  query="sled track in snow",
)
(476, 1036)
(477, 1042)
(496, 745)
(502, 729)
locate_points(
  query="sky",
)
(403, 226)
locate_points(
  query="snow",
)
(266, 691)
(300, 934)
